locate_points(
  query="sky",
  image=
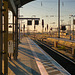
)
(48, 10)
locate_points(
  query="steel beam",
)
(29, 18)
(13, 5)
(0, 37)
(6, 37)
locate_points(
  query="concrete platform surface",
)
(32, 60)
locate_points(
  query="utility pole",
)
(73, 28)
(58, 18)
(1, 37)
(70, 27)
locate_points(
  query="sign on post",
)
(10, 46)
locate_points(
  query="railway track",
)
(63, 60)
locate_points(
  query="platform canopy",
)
(21, 2)
(18, 3)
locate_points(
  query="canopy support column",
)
(0, 37)
(13, 35)
(6, 37)
(16, 36)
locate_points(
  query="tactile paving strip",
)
(50, 68)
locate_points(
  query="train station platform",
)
(32, 60)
